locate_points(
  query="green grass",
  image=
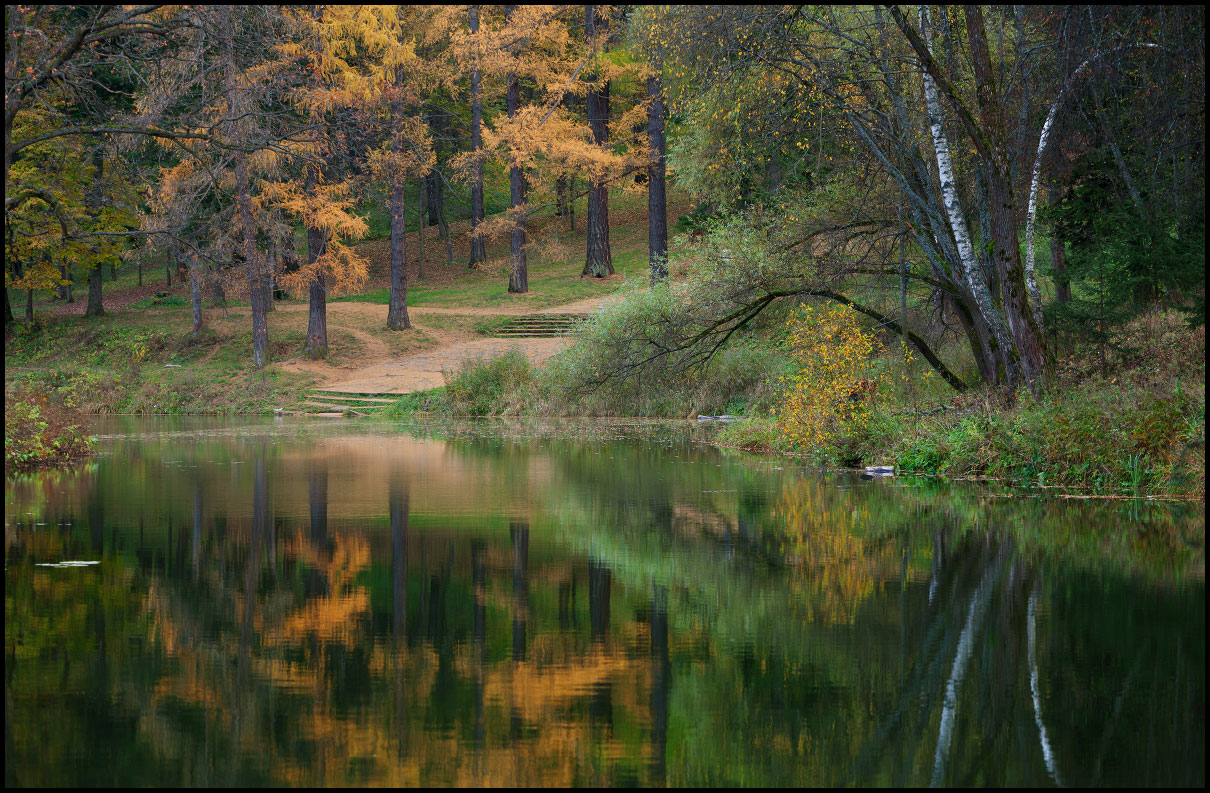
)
(550, 284)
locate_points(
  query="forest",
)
(966, 240)
(592, 396)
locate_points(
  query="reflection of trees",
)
(778, 631)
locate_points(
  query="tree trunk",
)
(1058, 257)
(317, 317)
(29, 305)
(1022, 321)
(397, 312)
(518, 275)
(65, 290)
(218, 297)
(94, 199)
(423, 184)
(94, 308)
(571, 204)
(598, 262)
(657, 202)
(243, 199)
(195, 296)
(478, 250)
(260, 322)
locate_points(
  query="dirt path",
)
(376, 370)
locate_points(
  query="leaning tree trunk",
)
(397, 312)
(478, 250)
(518, 273)
(657, 202)
(598, 262)
(974, 279)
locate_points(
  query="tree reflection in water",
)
(411, 611)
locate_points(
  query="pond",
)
(336, 603)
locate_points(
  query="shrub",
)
(491, 387)
(831, 353)
(38, 433)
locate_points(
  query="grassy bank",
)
(1129, 424)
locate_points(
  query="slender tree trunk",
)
(478, 249)
(195, 296)
(270, 268)
(65, 290)
(571, 204)
(317, 317)
(598, 262)
(260, 322)
(9, 319)
(443, 225)
(95, 198)
(397, 312)
(1058, 256)
(657, 202)
(29, 303)
(518, 276)
(218, 296)
(423, 184)
(243, 199)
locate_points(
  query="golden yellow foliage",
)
(831, 352)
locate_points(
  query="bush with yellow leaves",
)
(828, 396)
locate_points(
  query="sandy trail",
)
(376, 370)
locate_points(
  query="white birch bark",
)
(949, 195)
(1048, 754)
(953, 687)
(1031, 214)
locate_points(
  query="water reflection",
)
(392, 608)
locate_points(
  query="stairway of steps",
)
(540, 326)
(335, 402)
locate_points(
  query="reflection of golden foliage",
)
(335, 615)
(839, 569)
(538, 691)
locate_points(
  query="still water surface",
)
(320, 603)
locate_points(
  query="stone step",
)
(340, 407)
(345, 397)
(540, 326)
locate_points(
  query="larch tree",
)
(478, 250)
(598, 261)
(349, 55)
(518, 270)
